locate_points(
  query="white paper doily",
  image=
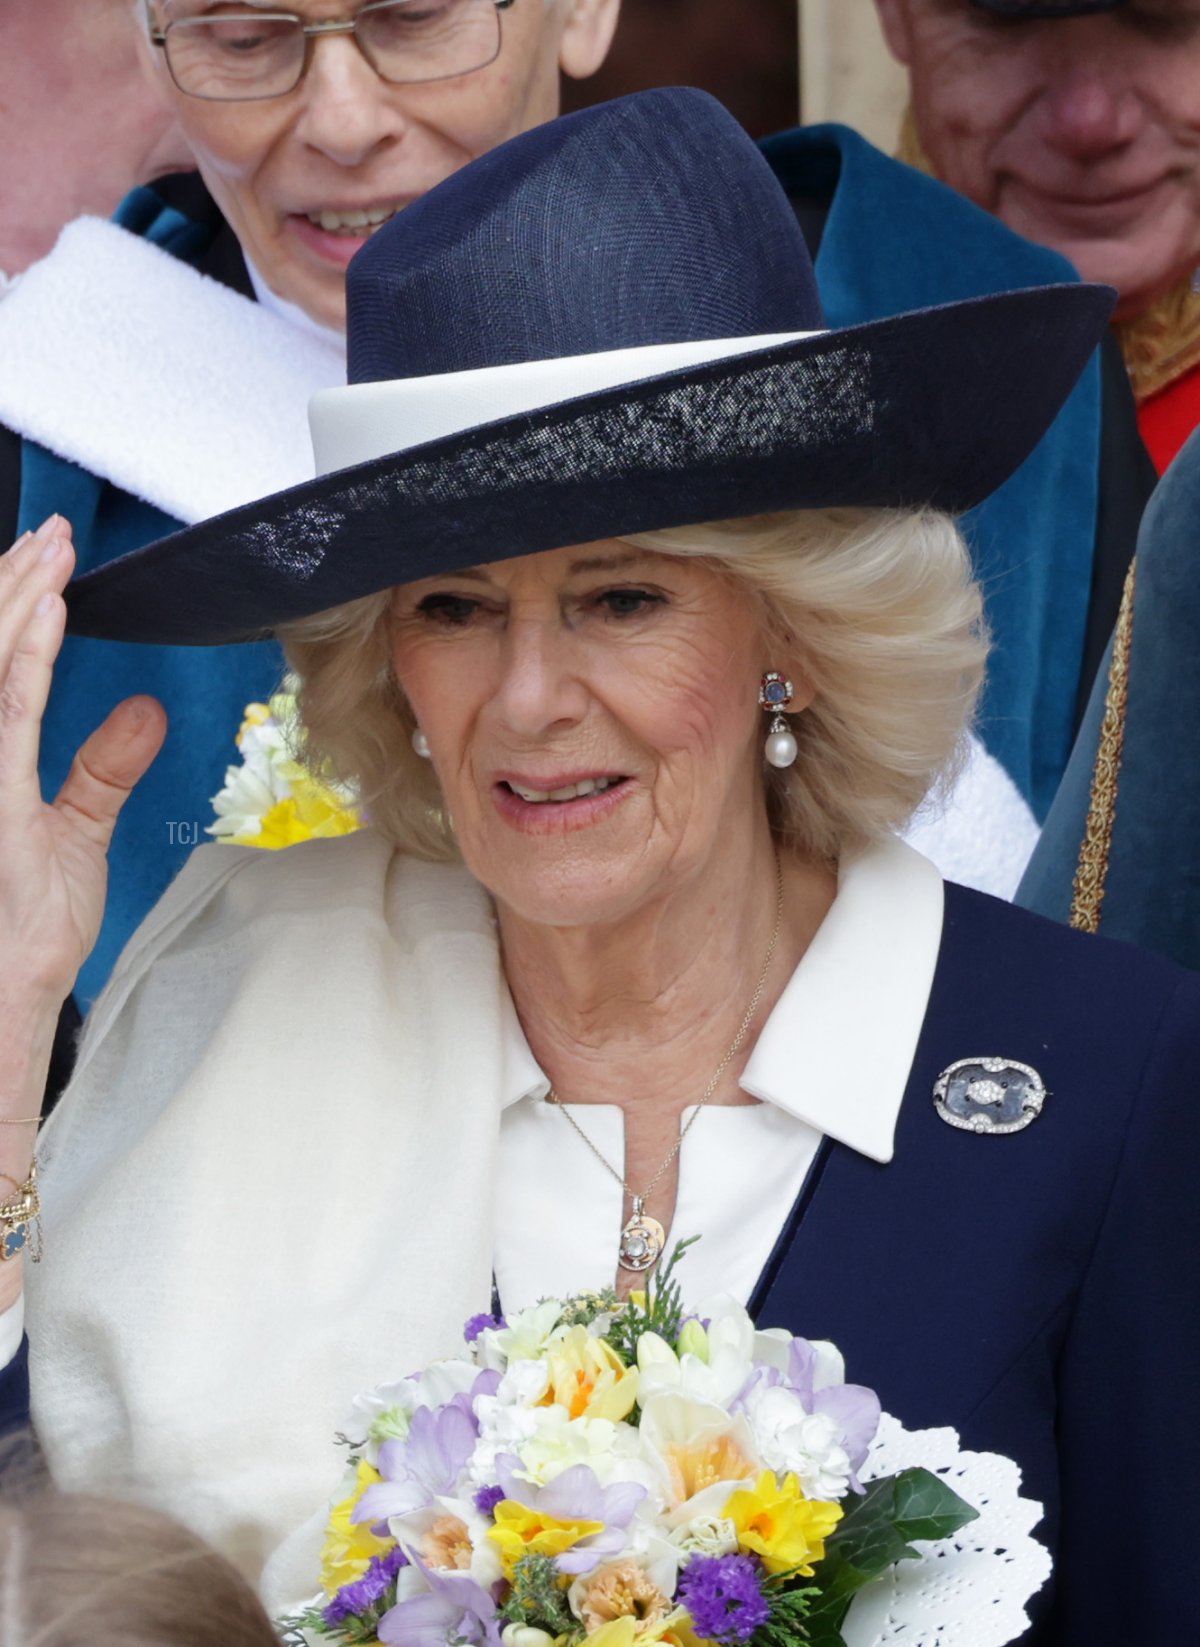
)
(965, 1591)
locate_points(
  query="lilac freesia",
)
(454, 1608)
(425, 1465)
(576, 1495)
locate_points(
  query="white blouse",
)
(832, 1060)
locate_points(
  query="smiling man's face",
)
(1082, 133)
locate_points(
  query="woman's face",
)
(285, 170)
(630, 675)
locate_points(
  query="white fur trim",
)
(361, 421)
(125, 360)
(983, 833)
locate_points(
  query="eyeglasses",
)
(232, 55)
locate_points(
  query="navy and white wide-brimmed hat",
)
(607, 325)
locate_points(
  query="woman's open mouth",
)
(560, 804)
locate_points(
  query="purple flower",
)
(482, 1323)
(426, 1464)
(724, 1597)
(361, 1594)
(454, 1609)
(487, 1498)
(576, 1495)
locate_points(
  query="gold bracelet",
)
(19, 1120)
(20, 1215)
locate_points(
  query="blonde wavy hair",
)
(878, 608)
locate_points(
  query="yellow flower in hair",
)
(588, 1377)
(310, 813)
(774, 1520)
(349, 1548)
(520, 1531)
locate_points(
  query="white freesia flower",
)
(791, 1439)
(717, 1378)
(524, 1338)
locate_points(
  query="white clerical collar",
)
(291, 312)
(837, 1049)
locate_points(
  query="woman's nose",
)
(538, 688)
(348, 111)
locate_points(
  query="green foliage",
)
(873, 1536)
(587, 1307)
(538, 1598)
(787, 1625)
(662, 1311)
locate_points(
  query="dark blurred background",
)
(745, 52)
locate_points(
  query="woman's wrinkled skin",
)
(1081, 133)
(346, 141)
(624, 909)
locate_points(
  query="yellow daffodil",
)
(520, 1531)
(349, 1549)
(310, 813)
(775, 1521)
(588, 1377)
(632, 1632)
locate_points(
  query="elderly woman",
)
(630, 951)
(135, 397)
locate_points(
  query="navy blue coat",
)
(1039, 1291)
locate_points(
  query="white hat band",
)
(362, 421)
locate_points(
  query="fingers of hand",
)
(32, 616)
(109, 764)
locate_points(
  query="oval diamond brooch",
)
(997, 1095)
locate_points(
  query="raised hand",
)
(53, 869)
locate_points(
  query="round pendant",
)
(642, 1242)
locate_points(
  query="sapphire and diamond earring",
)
(775, 694)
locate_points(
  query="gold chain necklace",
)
(643, 1238)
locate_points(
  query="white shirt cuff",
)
(12, 1327)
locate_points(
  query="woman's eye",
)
(628, 603)
(450, 611)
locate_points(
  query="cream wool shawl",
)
(269, 1184)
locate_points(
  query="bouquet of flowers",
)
(607, 1473)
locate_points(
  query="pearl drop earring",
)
(421, 744)
(774, 695)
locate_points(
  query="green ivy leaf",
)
(874, 1535)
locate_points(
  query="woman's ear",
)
(587, 33)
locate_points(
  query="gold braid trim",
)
(1160, 345)
(1091, 873)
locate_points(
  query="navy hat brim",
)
(1028, 11)
(932, 408)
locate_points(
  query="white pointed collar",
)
(837, 1049)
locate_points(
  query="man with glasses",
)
(1077, 122)
(134, 397)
